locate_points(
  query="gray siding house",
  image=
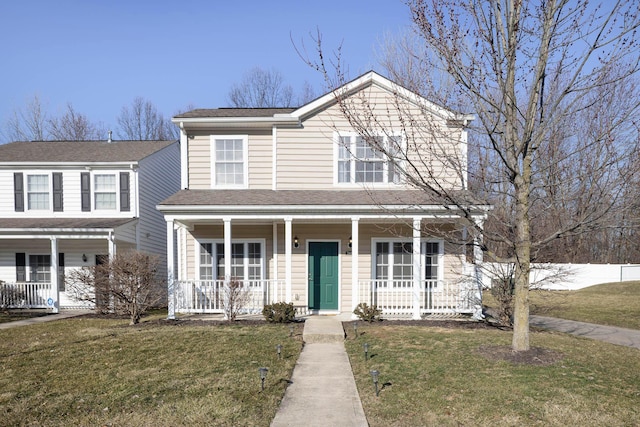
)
(65, 205)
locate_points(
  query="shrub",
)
(236, 297)
(280, 312)
(366, 313)
(128, 284)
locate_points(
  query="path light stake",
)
(263, 375)
(374, 376)
(366, 351)
(279, 351)
(355, 329)
(290, 330)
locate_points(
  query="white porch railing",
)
(25, 295)
(397, 298)
(208, 296)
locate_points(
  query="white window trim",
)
(245, 160)
(352, 182)
(93, 190)
(423, 255)
(26, 190)
(245, 260)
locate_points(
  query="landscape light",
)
(374, 376)
(366, 351)
(279, 351)
(263, 375)
(355, 328)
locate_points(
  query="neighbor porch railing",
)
(25, 295)
(208, 296)
(398, 298)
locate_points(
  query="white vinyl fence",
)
(568, 276)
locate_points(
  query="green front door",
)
(323, 275)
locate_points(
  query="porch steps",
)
(323, 329)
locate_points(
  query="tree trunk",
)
(523, 260)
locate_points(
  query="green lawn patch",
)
(93, 371)
(455, 376)
(614, 304)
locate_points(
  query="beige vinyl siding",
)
(200, 162)
(260, 160)
(306, 155)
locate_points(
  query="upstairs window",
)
(105, 191)
(38, 192)
(229, 161)
(359, 161)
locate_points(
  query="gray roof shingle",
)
(233, 112)
(79, 151)
(302, 198)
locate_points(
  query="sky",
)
(99, 55)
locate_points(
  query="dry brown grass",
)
(89, 371)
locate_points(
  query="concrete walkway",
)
(322, 391)
(47, 318)
(610, 334)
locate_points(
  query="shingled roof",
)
(304, 198)
(79, 151)
(233, 112)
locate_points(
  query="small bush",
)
(366, 313)
(280, 312)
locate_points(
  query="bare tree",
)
(528, 70)
(128, 284)
(74, 126)
(28, 123)
(261, 89)
(141, 122)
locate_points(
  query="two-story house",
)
(66, 205)
(295, 205)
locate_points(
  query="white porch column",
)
(477, 270)
(55, 286)
(417, 273)
(227, 249)
(288, 243)
(355, 279)
(171, 296)
(274, 290)
(112, 246)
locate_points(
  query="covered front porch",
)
(322, 265)
(36, 255)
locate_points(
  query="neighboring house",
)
(306, 221)
(66, 205)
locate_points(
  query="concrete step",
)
(323, 329)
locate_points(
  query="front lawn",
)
(94, 372)
(455, 376)
(614, 304)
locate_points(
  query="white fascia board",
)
(375, 78)
(60, 233)
(179, 218)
